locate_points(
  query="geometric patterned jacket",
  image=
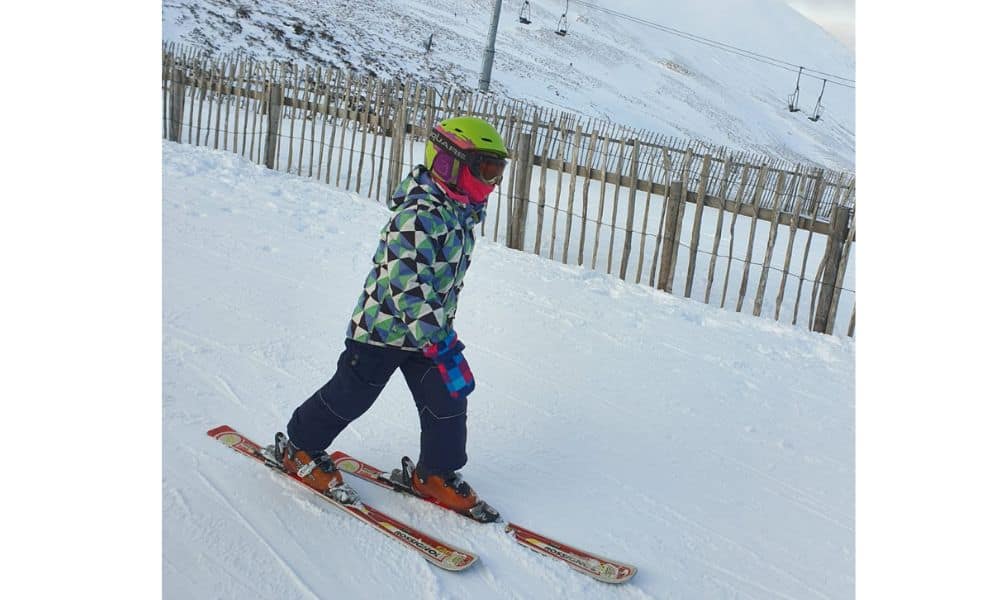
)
(411, 294)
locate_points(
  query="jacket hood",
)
(420, 184)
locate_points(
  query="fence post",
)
(706, 171)
(522, 182)
(526, 193)
(835, 241)
(542, 180)
(274, 109)
(671, 239)
(168, 61)
(430, 113)
(176, 104)
(571, 196)
(772, 233)
(398, 143)
(844, 258)
(630, 219)
(817, 194)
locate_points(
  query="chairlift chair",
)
(525, 16)
(819, 107)
(561, 28)
(793, 99)
(563, 22)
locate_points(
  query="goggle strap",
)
(449, 146)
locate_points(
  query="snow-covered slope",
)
(607, 67)
(712, 449)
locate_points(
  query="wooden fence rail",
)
(334, 126)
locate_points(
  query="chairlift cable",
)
(776, 62)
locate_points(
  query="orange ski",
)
(435, 551)
(598, 567)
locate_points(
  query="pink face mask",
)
(476, 189)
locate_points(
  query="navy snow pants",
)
(362, 372)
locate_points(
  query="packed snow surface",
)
(713, 450)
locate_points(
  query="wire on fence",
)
(561, 143)
(665, 238)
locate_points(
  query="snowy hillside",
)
(713, 450)
(608, 67)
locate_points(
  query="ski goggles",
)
(486, 167)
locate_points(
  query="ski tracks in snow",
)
(234, 350)
(337, 536)
(714, 450)
(278, 559)
(803, 499)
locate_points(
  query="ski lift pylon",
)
(525, 17)
(819, 107)
(793, 99)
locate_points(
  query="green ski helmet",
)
(468, 141)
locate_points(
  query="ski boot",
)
(447, 490)
(315, 469)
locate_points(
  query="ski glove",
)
(451, 365)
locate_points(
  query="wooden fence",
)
(360, 133)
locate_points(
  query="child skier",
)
(403, 320)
